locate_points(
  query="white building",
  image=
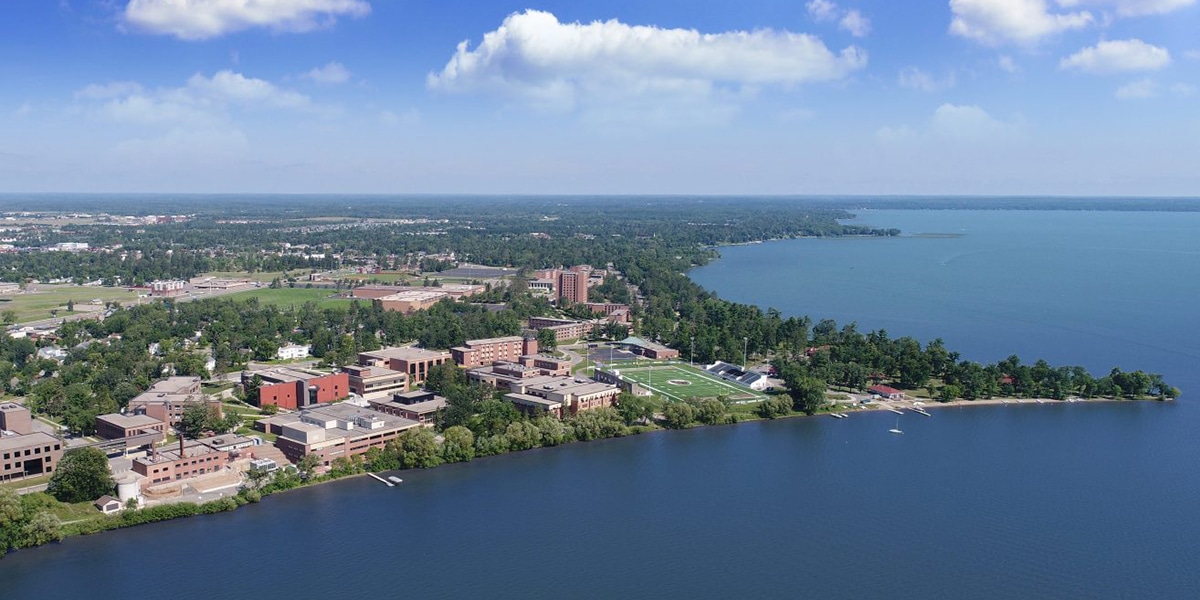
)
(293, 351)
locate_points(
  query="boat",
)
(897, 428)
(395, 479)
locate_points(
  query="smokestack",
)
(181, 445)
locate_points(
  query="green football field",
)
(677, 381)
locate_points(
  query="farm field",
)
(678, 381)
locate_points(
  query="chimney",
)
(181, 455)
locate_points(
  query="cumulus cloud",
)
(1021, 22)
(855, 23)
(965, 122)
(332, 73)
(1007, 64)
(1185, 90)
(112, 89)
(822, 10)
(202, 100)
(534, 56)
(1132, 8)
(1192, 54)
(1137, 90)
(1118, 55)
(914, 77)
(204, 19)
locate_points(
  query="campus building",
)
(331, 432)
(420, 406)
(168, 399)
(575, 394)
(375, 382)
(294, 389)
(167, 288)
(410, 301)
(416, 362)
(477, 353)
(564, 329)
(144, 428)
(190, 459)
(24, 452)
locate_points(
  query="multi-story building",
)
(167, 400)
(477, 353)
(15, 418)
(502, 375)
(547, 365)
(28, 455)
(420, 406)
(190, 459)
(167, 288)
(293, 352)
(564, 329)
(575, 394)
(375, 382)
(573, 285)
(294, 388)
(416, 362)
(117, 426)
(331, 432)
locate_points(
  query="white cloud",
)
(1137, 90)
(1185, 90)
(1007, 64)
(1192, 54)
(203, 19)
(914, 77)
(201, 101)
(112, 89)
(1132, 8)
(536, 58)
(1118, 55)
(855, 23)
(1021, 22)
(333, 73)
(822, 10)
(965, 123)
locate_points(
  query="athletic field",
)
(678, 381)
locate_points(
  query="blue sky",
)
(1062, 97)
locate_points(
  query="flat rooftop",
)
(415, 296)
(37, 438)
(407, 353)
(174, 385)
(129, 421)
(498, 340)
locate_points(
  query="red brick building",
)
(294, 389)
(477, 353)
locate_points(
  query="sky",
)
(800, 97)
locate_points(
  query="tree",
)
(82, 475)
(308, 466)
(634, 409)
(458, 444)
(679, 414)
(547, 340)
(808, 394)
(773, 408)
(418, 449)
(12, 519)
(197, 419)
(43, 528)
(949, 393)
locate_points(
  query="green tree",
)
(12, 520)
(43, 528)
(547, 340)
(197, 419)
(458, 444)
(773, 408)
(949, 393)
(678, 415)
(418, 449)
(307, 466)
(635, 409)
(82, 475)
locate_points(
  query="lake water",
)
(1030, 501)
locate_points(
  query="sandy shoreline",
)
(908, 404)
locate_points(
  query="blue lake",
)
(1029, 501)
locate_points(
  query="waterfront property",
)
(535, 405)
(335, 431)
(574, 394)
(419, 405)
(675, 381)
(28, 455)
(886, 392)
(189, 460)
(734, 373)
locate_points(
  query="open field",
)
(678, 381)
(284, 297)
(378, 277)
(36, 305)
(263, 276)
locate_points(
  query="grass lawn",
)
(285, 297)
(24, 483)
(32, 306)
(378, 277)
(264, 276)
(677, 381)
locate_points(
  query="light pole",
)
(745, 348)
(692, 354)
